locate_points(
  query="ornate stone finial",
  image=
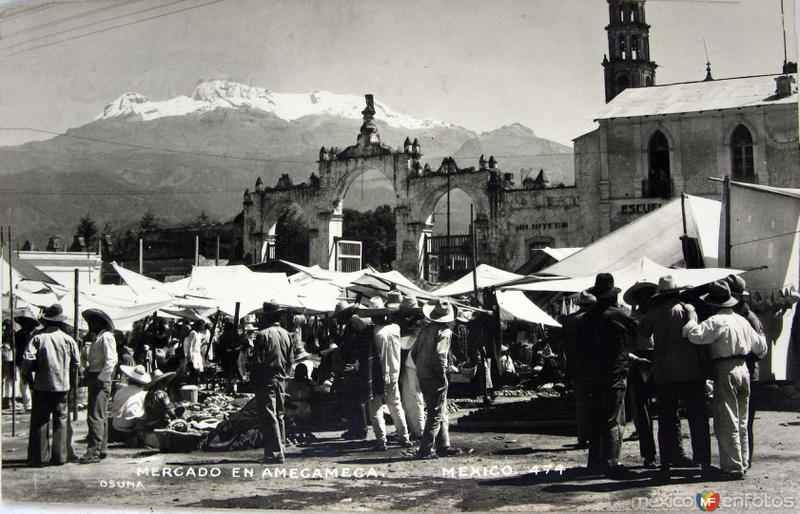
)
(482, 162)
(407, 145)
(323, 154)
(369, 130)
(259, 184)
(492, 162)
(415, 148)
(708, 72)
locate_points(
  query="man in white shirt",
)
(101, 366)
(192, 349)
(127, 407)
(387, 347)
(730, 338)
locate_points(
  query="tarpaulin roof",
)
(655, 236)
(708, 95)
(487, 276)
(641, 269)
(23, 270)
(515, 305)
(223, 286)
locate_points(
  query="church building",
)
(655, 141)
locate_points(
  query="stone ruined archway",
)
(417, 189)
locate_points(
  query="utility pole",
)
(447, 246)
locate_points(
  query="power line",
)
(32, 10)
(129, 192)
(114, 27)
(99, 22)
(116, 5)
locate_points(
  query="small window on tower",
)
(635, 48)
(623, 48)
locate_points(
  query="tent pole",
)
(726, 198)
(197, 250)
(13, 345)
(473, 252)
(683, 213)
(216, 261)
(236, 316)
(141, 256)
(73, 400)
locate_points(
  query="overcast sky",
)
(479, 64)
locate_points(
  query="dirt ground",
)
(507, 471)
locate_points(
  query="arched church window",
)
(623, 47)
(635, 53)
(742, 166)
(659, 182)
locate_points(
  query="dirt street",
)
(507, 471)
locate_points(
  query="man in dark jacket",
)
(604, 356)
(580, 381)
(679, 378)
(270, 366)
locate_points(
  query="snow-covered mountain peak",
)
(216, 94)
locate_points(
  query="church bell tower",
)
(628, 61)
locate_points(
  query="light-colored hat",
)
(26, 317)
(250, 328)
(301, 355)
(667, 286)
(160, 380)
(98, 314)
(639, 291)
(737, 285)
(719, 295)
(376, 302)
(137, 373)
(53, 313)
(439, 312)
(409, 303)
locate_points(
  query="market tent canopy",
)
(487, 276)
(515, 305)
(144, 287)
(223, 286)
(642, 269)
(655, 236)
(23, 270)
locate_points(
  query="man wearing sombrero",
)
(730, 338)
(102, 362)
(679, 378)
(52, 358)
(431, 353)
(28, 325)
(127, 407)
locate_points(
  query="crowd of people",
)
(671, 342)
(395, 357)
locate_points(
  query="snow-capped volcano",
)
(224, 94)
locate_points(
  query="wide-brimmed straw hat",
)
(301, 355)
(464, 315)
(98, 314)
(668, 286)
(376, 307)
(250, 328)
(160, 380)
(54, 313)
(638, 292)
(603, 286)
(719, 295)
(441, 311)
(137, 374)
(343, 307)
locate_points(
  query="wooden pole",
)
(11, 314)
(197, 250)
(141, 256)
(73, 400)
(236, 316)
(216, 261)
(726, 198)
(473, 252)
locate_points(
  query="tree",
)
(376, 231)
(87, 229)
(291, 233)
(149, 221)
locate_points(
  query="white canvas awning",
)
(515, 305)
(487, 276)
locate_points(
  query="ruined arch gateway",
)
(505, 217)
